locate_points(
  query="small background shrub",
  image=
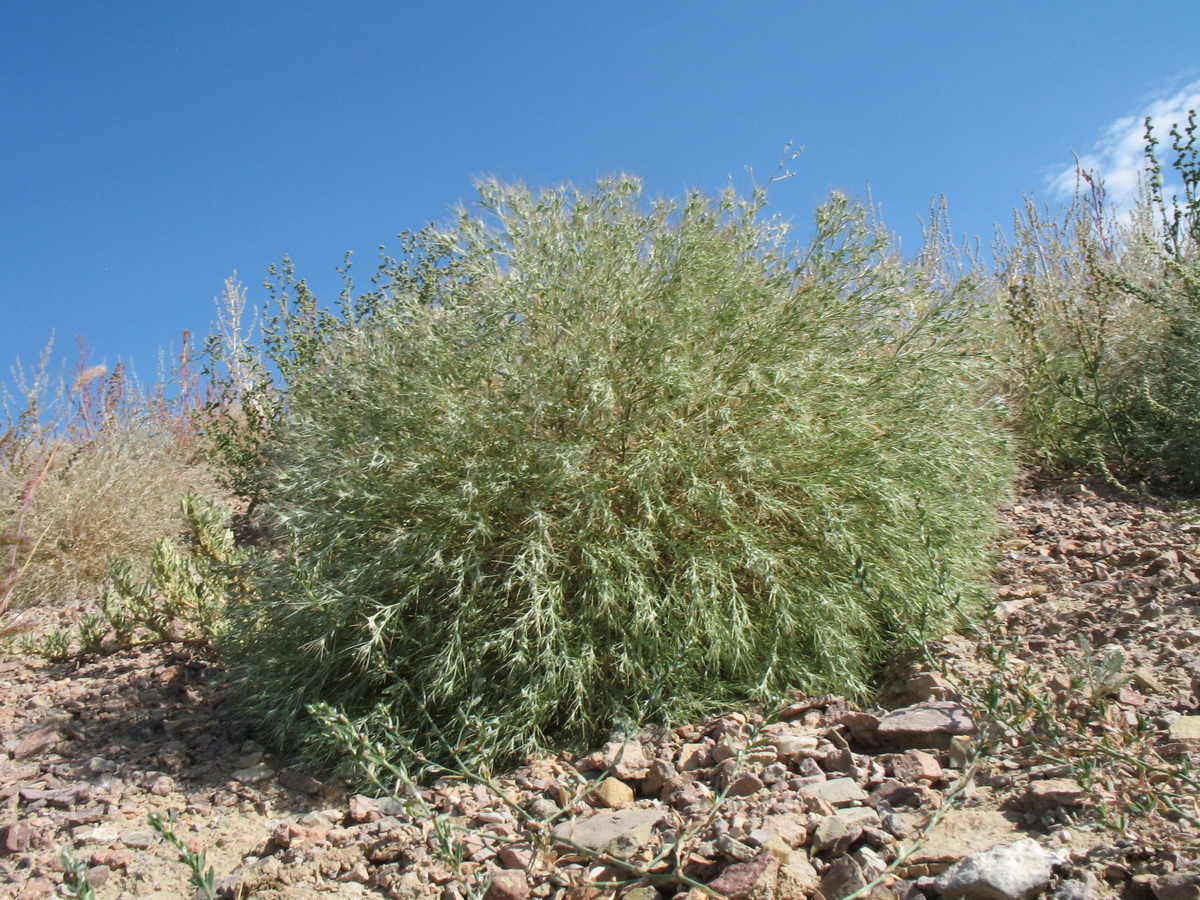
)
(93, 467)
(580, 451)
(1103, 327)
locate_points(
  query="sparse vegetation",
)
(96, 466)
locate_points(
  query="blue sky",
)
(148, 150)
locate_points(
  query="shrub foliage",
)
(580, 453)
(1103, 326)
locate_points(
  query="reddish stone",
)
(916, 765)
(751, 880)
(508, 884)
(15, 838)
(363, 809)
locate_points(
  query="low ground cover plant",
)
(582, 450)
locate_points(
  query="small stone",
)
(138, 840)
(829, 830)
(695, 756)
(612, 793)
(1051, 792)
(160, 785)
(789, 829)
(775, 773)
(793, 746)
(1076, 888)
(97, 876)
(835, 791)
(660, 772)
(1006, 872)
(363, 809)
(725, 749)
(916, 765)
(516, 856)
(254, 774)
(15, 837)
(843, 877)
(627, 759)
(543, 809)
(797, 878)
(1175, 887)
(754, 879)
(357, 874)
(1186, 730)
(744, 785)
(508, 884)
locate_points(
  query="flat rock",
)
(926, 725)
(1051, 792)
(41, 740)
(1186, 730)
(598, 831)
(960, 833)
(835, 791)
(1015, 871)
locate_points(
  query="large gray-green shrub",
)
(586, 453)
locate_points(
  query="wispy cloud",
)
(1119, 156)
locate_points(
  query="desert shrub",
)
(1103, 323)
(93, 467)
(581, 453)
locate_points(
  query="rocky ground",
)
(1054, 752)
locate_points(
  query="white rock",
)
(1006, 872)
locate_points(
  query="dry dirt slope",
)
(818, 802)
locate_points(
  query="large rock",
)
(599, 832)
(930, 725)
(1006, 872)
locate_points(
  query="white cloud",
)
(1119, 159)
